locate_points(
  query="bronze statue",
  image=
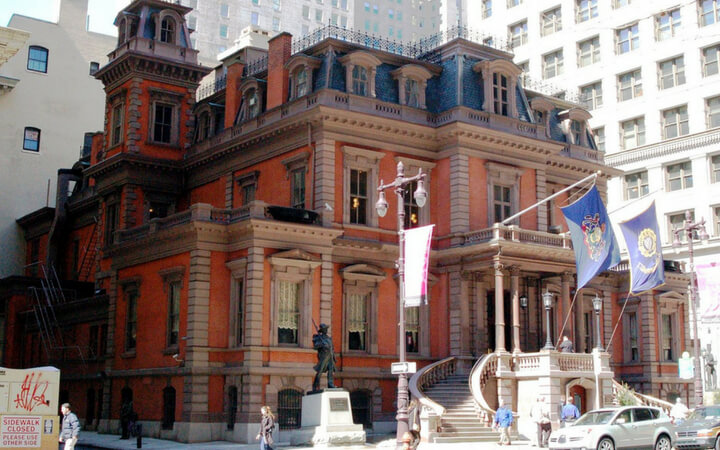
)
(326, 356)
(710, 374)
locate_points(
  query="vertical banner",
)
(417, 259)
(708, 280)
(29, 408)
(642, 238)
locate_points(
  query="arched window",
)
(500, 94)
(37, 59)
(360, 71)
(232, 407)
(300, 67)
(360, 80)
(289, 409)
(412, 83)
(499, 78)
(167, 30)
(301, 83)
(121, 32)
(253, 103)
(361, 405)
(204, 126)
(133, 28)
(31, 139)
(168, 418)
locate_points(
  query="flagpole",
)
(546, 199)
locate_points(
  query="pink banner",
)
(417, 258)
(708, 279)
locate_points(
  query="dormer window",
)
(300, 68)
(121, 32)
(167, 30)
(541, 109)
(499, 83)
(360, 69)
(412, 83)
(574, 122)
(251, 104)
(204, 126)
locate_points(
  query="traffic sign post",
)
(398, 368)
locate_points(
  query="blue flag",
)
(643, 242)
(592, 236)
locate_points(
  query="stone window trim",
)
(502, 175)
(632, 307)
(130, 285)
(116, 100)
(545, 106)
(364, 59)
(178, 22)
(504, 67)
(249, 178)
(169, 276)
(411, 169)
(295, 162)
(238, 271)
(245, 88)
(364, 279)
(204, 110)
(157, 197)
(579, 115)
(414, 72)
(424, 318)
(170, 98)
(367, 160)
(297, 64)
(672, 304)
(295, 266)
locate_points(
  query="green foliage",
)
(625, 396)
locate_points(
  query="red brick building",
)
(201, 239)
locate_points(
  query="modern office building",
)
(648, 73)
(49, 99)
(399, 20)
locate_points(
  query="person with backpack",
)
(267, 425)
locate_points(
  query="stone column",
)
(565, 301)
(466, 334)
(326, 290)
(481, 341)
(543, 221)
(324, 176)
(459, 197)
(499, 309)
(455, 301)
(514, 292)
(534, 305)
(579, 326)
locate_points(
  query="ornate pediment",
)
(365, 272)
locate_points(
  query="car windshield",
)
(595, 417)
(706, 412)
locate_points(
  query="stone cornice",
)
(150, 67)
(665, 148)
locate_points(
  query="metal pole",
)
(597, 326)
(402, 412)
(693, 306)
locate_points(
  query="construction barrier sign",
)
(29, 408)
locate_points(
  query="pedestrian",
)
(679, 411)
(569, 412)
(503, 420)
(70, 429)
(566, 346)
(545, 426)
(267, 424)
(535, 417)
(127, 414)
(414, 423)
(559, 411)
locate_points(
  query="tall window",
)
(551, 21)
(671, 72)
(589, 51)
(715, 169)
(31, 139)
(502, 203)
(112, 217)
(676, 221)
(167, 30)
(633, 334)
(591, 95)
(412, 329)
(248, 193)
(412, 210)
(712, 108)
(131, 297)
(239, 312)
(301, 82)
(553, 64)
(360, 80)
(675, 122)
(667, 337)
(289, 409)
(599, 134)
(486, 8)
(306, 12)
(173, 314)
(357, 321)
(667, 24)
(223, 31)
(629, 85)
(585, 10)
(168, 417)
(288, 311)
(116, 132)
(358, 196)
(412, 92)
(162, 125)
(224, 10)
(709, 13)
(710, 60)
(297, 199)
(253, 103)
(716, 220)
(679, 176)
(500, 94)
(632, 133)
(620, 3)
(636, 185)
(254, 18)
(627, 39)
(513, 3)
(37, 59)
(518, 33)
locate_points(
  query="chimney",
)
(233, 96)
(279, 50)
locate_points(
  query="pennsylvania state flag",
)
(592, 236)
(643, 242)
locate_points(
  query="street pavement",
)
(93, 440)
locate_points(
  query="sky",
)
(101, 12)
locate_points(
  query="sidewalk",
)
(93, 440)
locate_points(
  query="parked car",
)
(630, 427)
(700, 430)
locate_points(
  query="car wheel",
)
(663, 443)
(606, 444)
(717, 443)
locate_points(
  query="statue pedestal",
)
(327, 421)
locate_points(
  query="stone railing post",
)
(200, 211)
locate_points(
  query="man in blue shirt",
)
(569, 412)
(503, 420)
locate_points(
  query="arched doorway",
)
(168, 418)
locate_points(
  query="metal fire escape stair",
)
(90, 253)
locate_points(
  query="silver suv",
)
(631, 427)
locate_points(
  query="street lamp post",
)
(688, 229)
(524, 305)
(381, 206)
(548, 301)
(597, 306)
